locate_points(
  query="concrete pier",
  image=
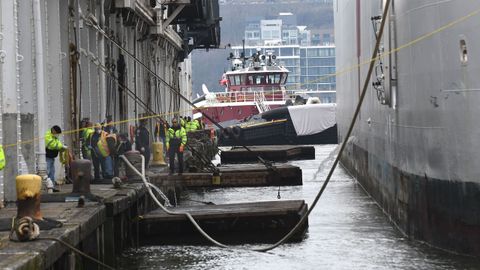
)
(112, 220)
(100, 229)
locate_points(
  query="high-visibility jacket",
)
(87, 133)
(178, 134)
(86, 136)
(2, 158)
(192, 126)
(52, 145)
(102, 145)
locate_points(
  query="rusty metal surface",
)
(82, 176)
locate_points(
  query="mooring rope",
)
(76, 250)
(327, 180)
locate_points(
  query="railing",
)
(266, 96)
(260, 102)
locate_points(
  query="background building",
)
(310, 58)
(241, 21)
(312, 68)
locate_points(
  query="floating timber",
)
(259, 222)
(278, 153)
(251, 175)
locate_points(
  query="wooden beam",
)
(176, 2)
(257, 222)
(175, 13)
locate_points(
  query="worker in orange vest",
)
(101, 153)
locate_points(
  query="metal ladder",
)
(260, 102)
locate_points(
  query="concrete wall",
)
(98, 92)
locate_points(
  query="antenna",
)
(243, 53)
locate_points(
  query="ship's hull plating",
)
(419, 157)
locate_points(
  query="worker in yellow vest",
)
(2, 166)
(53, 145)
(176, 141)
(2, 158)
(101, 153)
(85, 137)
(194, 125)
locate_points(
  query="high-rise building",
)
(312, 68)
(309, 56)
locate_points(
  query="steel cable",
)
(95, 25)
(327, 180)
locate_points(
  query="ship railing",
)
(260, 102)
(251, 96)
(268, 96)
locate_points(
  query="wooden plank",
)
(280, 153)
(229, 210)
(233, 223)
(252, 175)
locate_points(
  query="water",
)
(347, 231)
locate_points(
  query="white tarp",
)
(312, 119)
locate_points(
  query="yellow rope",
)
(343, 71)
(74, 131)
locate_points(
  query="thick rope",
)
(327, 180)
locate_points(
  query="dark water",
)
(347, 231)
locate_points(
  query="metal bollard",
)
(158, 158)
(136, 160)
(28, 196)
(82, 176)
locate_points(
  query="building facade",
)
(310, 57)
(64, 61)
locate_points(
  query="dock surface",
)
(231, 223)
(91, 227)
(277, 153)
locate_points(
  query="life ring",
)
(237, 132)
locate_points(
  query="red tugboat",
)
(256, 108)
(252, 87)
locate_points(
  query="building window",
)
(286, 51)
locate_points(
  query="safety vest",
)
(87, 132)
(194, 125)
(52, 142)
(86, 135)
(112, 142)
(180, 133)
(2, 158)
(103, 145)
